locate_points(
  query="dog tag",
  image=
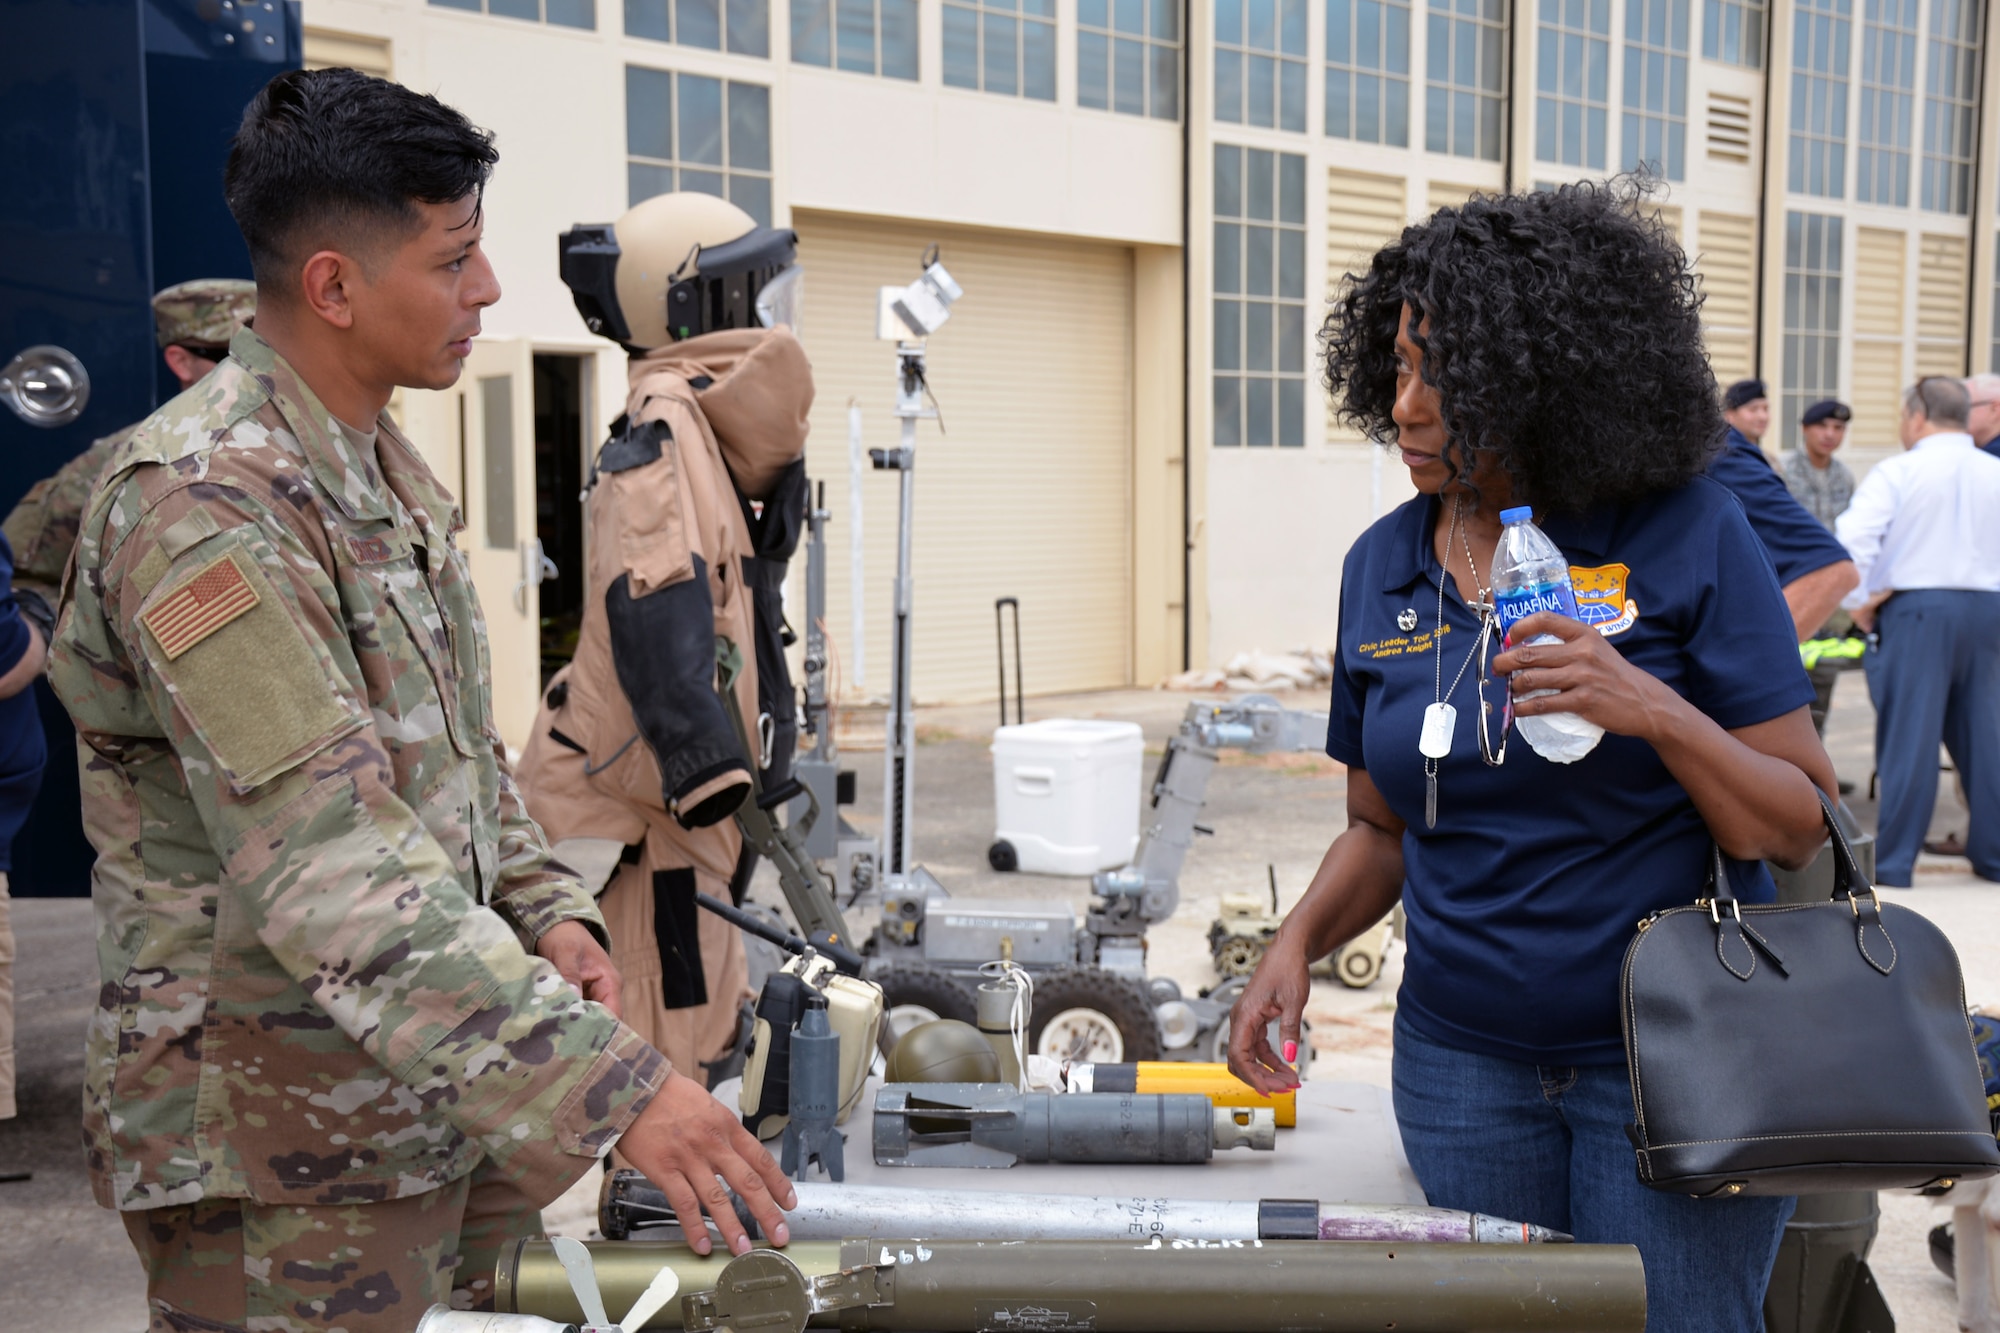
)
(1439, 722)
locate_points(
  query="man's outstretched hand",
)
(683, 1140)
(583, 964)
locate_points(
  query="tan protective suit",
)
(635, 746)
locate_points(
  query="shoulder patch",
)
(217, 594)
(636, 446)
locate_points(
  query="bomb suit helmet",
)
(677, 266)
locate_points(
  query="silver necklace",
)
(1441, 719)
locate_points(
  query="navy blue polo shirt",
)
(1797, 542)
(1521, 901)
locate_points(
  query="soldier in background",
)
(696, 503)
(356, 1026)
(194, 322)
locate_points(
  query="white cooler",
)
(1066, 793)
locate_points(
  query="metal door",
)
(115, 117)
(478, 436)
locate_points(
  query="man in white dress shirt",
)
(1924, 535)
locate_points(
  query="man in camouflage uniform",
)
(326, 1079)
(194, 322)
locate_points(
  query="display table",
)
(1344, 1150)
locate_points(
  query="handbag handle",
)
(1847, 874)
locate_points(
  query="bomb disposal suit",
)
(695, 504)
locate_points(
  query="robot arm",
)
(1148, 890)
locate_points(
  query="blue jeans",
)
(1546, 1144)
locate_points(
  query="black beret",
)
(1741, 392)
(1827, 409)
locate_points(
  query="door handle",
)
(46, 386)
(536, 569)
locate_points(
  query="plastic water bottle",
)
(1530, 574)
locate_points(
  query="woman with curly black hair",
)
(1544, 350)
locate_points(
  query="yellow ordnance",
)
(1213, 1081)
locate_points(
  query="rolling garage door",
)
(1027, 494)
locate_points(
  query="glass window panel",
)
(899, 39)
(706, 182)
(698, 23)
(1001, 39)
(496, 408)
(1396, 113)
(1129, 77)
(1228, 86)
(515, 9)
(700, 106)
(1093, 70)
(1291, 337)
(1228, 257)
(1396, 40)
(573, 13)
(1292, 27)
(752, 194)
(472, 5)
(1367, 124)
(1229, 22)
(1129, 16)
(1291, 95)
(1260, 184)
(1291, 188)
(749, 127)
(811, 34)
(649, 19)
(1257, 413)
(643, 180)
(1262, 28)
(961, 47)
(1291, 413)
(1038, 65)
(1437, 123)
(1257, 260)
(1228, 411)
(750, 27)
(1260, 90)
(649, 117)
(1228, 335)
(854, 24)
(1092, 13)
(1228, 181)
(1166, 82)
(1292, 263)
(1166, 20)
(1257, 348)
(1339, 31)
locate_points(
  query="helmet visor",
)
(782, 299)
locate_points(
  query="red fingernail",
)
(1291, 1051)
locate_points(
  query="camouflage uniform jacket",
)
(42, 528)
(310, 846)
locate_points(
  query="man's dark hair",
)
(1565, 338)
(333, 157)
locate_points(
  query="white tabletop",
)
(1345, 1149)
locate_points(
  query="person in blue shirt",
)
(1814, 569)
(22, 753)
(1545, 350)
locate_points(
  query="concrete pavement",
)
(68, 1264)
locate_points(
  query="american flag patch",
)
(211, 599)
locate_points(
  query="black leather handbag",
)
(1800, 1048)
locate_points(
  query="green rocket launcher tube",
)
(1187, 1286)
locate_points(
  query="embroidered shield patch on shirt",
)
(216, 595)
